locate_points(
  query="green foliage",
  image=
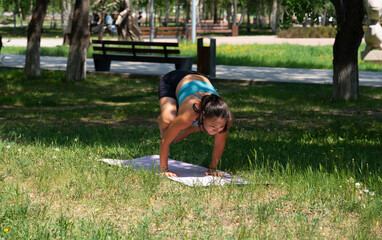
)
(300, 9)
(16, 5)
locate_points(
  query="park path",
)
(52, 42)
(223, 72)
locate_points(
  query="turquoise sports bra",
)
(193, 87)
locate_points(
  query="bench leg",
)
(102, 64)
(186, 64)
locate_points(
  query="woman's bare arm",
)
(180, 123)
(185, 133)
(217, 152)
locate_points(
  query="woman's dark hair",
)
(213, 106)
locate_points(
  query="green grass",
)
(21, 32)
(314, 151)
(255, 55)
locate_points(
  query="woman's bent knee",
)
(167, 119)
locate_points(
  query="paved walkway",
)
(234, 73)
(52, 42)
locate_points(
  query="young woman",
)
(189, 103)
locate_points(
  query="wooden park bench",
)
(165, 32)
(214, 28)
(106, 51)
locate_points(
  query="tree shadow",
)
(275, 125)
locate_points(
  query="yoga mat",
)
(189, 174)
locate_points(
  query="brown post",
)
(235, 30)
(206, 57)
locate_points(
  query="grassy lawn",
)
(324, 160)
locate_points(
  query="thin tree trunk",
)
(68, 29)
(66, 9)
(167, 12)
(31, 9)
(53, 23)
(62, 14)
(259, 14)
(242, 14)
(177, 12)
(345, 50)
(248, 16)
(79, 42)
(216, 17)
(199, 15)
(21, 17)
(14, 21)
(324, 17)
(32, 58)
(234, 17)
(147, 14)
(275, 16)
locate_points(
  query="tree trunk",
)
(177, 7)
(79, 42)
(200, 12)
(14, 20)
(275, 16)
(248, 15)
(259, 14)
(324, 21)
(234, 17)
(32, 58)
(31, 9)
(216, 17)
(21, 17)
(242, 14)
(62, 15)
(197, 13)
(167, 13)
(53, 23)
(345, 50)
(65, 14)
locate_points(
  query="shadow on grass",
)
(276, 126)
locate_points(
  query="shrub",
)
(308, 32)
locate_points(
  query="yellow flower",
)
(6, 230)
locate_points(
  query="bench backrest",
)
(210, 26)
(164, 31)
(134, 47)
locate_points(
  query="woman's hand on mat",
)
(170, 174)
(164, 170)
(214, 173)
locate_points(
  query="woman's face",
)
(214, 125)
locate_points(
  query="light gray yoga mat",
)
(189, 174)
